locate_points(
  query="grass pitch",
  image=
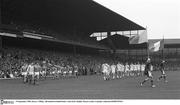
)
(93, 87)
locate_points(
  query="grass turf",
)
(93, 87)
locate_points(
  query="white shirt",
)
(113, 68)
(126, 67)
(105, 67)
(142, 67)
(119, 67)
(122, 67)
(30, 69)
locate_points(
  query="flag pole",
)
(163, 49)
(147, 44)
(129, 49)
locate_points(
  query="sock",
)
(152, 82)
(164, 77)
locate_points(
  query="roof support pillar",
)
(129, 47)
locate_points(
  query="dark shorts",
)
(148, 73)
(145, 72)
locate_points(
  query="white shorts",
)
(163, 73)
(31, 73)
(36, 73)
(43, 72)
(59, 71)
(53, 72)
(118, 70)
(24, 73)
(150, 74)
(113, 72)
(104, 71)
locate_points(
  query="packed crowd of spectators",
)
(13, 59)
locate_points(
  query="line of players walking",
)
(33, 72)
(119, 70)
(116, 71)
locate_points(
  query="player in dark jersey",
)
(148, 73)
(163, 74)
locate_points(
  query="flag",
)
(154, 47)
(138, 39)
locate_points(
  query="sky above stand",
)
(161, 17)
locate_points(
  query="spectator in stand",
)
(14, 58)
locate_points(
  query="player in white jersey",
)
(131, 69)
(119, 67)
(135, 69)
(106, 71)
(122, 70)
(138, 68)
(127, 69)
(113, 70)
(142, 69)
(30, 69)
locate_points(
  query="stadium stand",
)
(58, 32)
